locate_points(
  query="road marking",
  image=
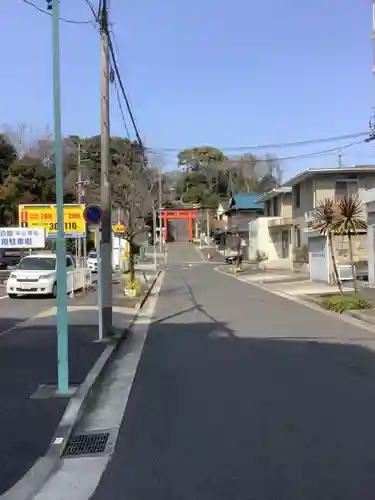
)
(4, 297)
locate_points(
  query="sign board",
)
(119, 228)
(45, 217)
(15, 237)
(93, 214)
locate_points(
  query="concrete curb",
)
(29, 485)
(353, 319)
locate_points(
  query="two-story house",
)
(243, 208)
(271, 235)
(308, 189)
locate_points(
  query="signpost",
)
(14, 237)
(45, 217)
(93, 216)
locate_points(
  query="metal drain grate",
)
(87, 444)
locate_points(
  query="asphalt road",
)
(13, 311)
(28, 360)
(241, 394)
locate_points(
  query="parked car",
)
(9, 258)
(92, 261)
(36, 275)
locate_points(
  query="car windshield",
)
(92, 255)
(37, 264)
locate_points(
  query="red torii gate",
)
(185, 213)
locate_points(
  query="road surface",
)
(28, 359)
(241, 394)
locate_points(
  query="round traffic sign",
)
(93, 214)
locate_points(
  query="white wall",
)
(260, 239)
(118, 247)
(369, 197)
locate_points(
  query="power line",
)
(115, 67)
(39, 9)
(279, 145)
(295, 157)
(121, 108)
(306, 155)
(96, 15)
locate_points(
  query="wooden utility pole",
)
(105, 277)
(161, 232)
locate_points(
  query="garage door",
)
(318, 258)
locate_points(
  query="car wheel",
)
(12, 295)
(54, 290)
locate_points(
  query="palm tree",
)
(325, 217)
(350, 221)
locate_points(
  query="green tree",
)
(200, 158)
(8, 155)
(325, 219)
(349, 222)
(27, 181)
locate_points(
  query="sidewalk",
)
(27, 361)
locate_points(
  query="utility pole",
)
(339, 159)
(154, 222)
(62, 300)
(105, 275)
(161, 232)
(79, 199)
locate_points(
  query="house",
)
(242, 209)
(308, 189)
(286, 233)
(271, 235)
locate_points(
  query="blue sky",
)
(226, 73)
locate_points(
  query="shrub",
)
(348, 302)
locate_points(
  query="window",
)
(297, 195)
(38, 264)
(297, 236)
(268, 208)
(69, 262)
(275, 207)
(345, 188)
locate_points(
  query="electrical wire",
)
(305, 155)
(121, 108)
(117, 52)
(104, 25)
(271, 158)
(39, 9)
(91, 7)
(279, 145)
(117, 72)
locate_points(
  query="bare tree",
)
(25, 138)
(133, 187)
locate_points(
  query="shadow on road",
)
(28, 359)
(214, 416)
